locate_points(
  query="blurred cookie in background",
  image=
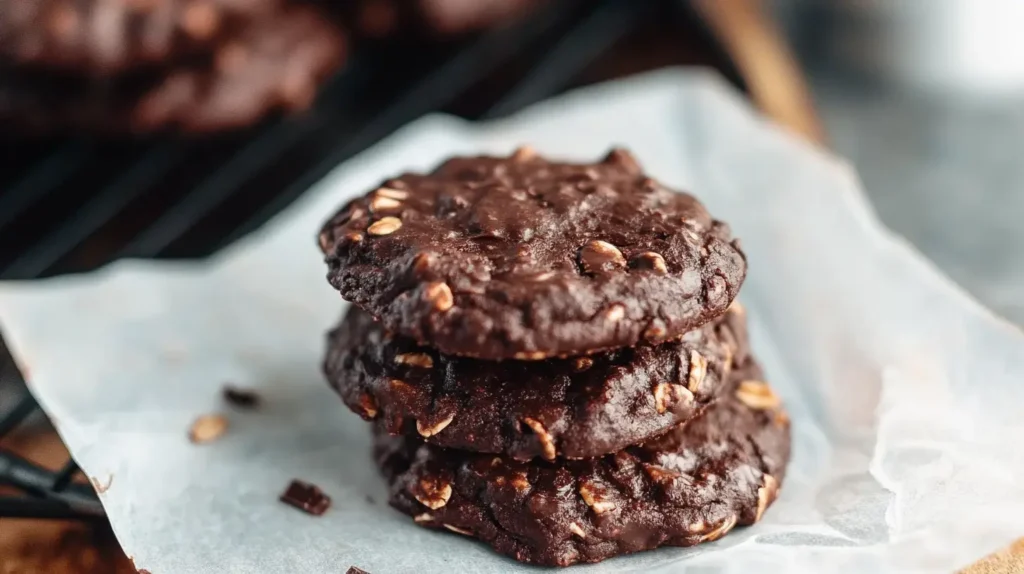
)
(455, 16)
(273, 64)
(383, 18)
(123, 67)
(277, 64)
(104, 37)
(379, 18)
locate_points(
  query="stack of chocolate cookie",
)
(147, 65)
(552, 358)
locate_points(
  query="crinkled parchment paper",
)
(907, 397)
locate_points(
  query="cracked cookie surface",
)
(523, 258)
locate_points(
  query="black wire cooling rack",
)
(72, 205)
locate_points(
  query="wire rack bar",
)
(18, 507)
(578, 48)
(64, 476)
(439, 88)
(42, 180)
(19, 412)
(102, 208)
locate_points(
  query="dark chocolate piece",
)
(521, 257)
(576, 407)
(356, 570)
(241, 398)
(306, 497)
(693, 485)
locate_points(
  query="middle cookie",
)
(577, 407)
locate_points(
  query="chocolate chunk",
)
(525, 258)
(242, 398)
(306, 497)
(577, 407)
(356, 570)
(693, 485)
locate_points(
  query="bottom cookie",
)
(693, 485)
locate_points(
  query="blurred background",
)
(170, 128)
(924, 98)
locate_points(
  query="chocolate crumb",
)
(242, 398)
(306, 497)
(356, 570)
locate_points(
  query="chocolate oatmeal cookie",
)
(526, 258)
(693, 485)
(444, 18)
(576, 407)
(104, 37)
(275, 64)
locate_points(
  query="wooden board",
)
(55, 546)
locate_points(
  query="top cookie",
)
(525, 258)
(103, 37)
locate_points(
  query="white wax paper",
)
(906, 396)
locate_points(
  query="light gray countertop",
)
(946, 174)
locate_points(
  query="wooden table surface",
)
(55, 546)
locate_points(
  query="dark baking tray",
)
(72, 204)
